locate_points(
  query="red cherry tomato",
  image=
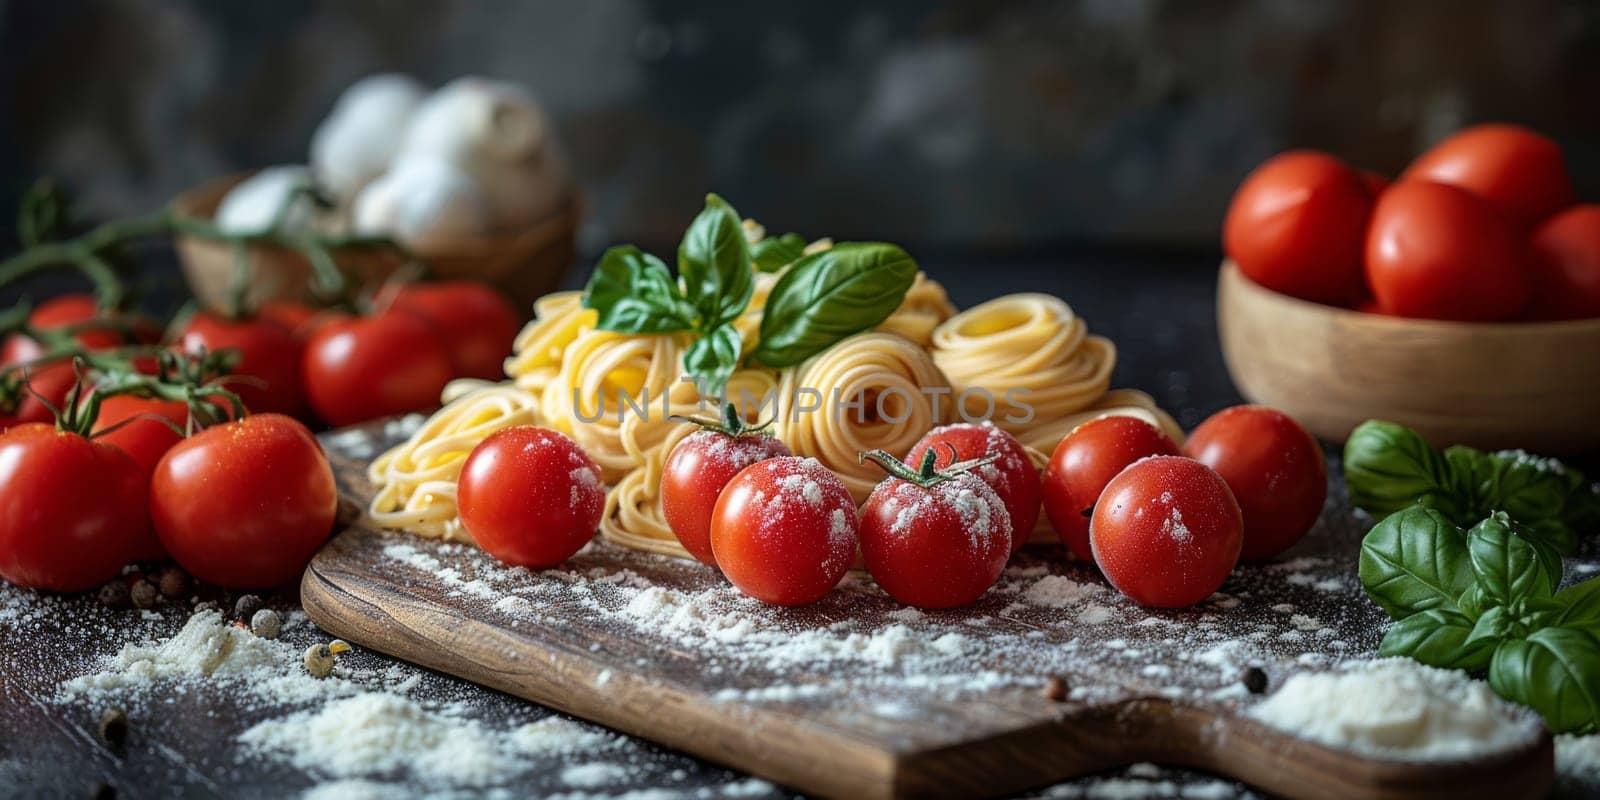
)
(1521, 174)
(74, 509)
(1274, 468)
(369, 367)
(1012, 476)
(267, 374)
(1566, 265)
(71, 310)
(476, 322)
(245, 504)
(297, 318)
(1167, 532)
(695, 474)
(1087, 460)
(530, 497)
(52, 382)
(145, 439)
(1375, 182)
(1295, 226)
(935, 546)
(784, 531)
(1437, 252)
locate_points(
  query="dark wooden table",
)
(1158, 309)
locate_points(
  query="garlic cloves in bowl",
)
(267, 200)
(424, 203)
(361, 135)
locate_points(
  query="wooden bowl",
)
(523, 264)
(1530, 385)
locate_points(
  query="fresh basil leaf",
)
(1438, 638)
(1580, 606)
(1509, 566)
(1473, 603)
(1415, 560)
(1388, 467)
(776, 252)
(714, 263)
(1555, 671)
(1553, 534)
(1535, 613)
(1493, 627)
(713, 358)
(634, 293)
(830, 295)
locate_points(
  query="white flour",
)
(1398, 709)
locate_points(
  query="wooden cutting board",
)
(865, 725)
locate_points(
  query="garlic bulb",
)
(360, 136)
(497, 134)
(265, 200)
(425, 203)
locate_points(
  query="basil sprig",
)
(830, 295)
(1486, 599)
(818, 300)
(1388, 467)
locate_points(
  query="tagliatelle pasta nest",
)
(1025, 361)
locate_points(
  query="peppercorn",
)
(266, 624)
(1255, 680)
(246, 607)
(115, 594)
(173, 584)
(321, 657)
(114, 727)
(1056, 689)
(144, 594)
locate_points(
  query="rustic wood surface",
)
(1534, 386)
(1006, 740)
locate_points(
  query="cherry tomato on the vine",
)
(52, 382)
(134, 425)
(1438, 252)
(245, 504)
(530, 496)
(298, 318)
(695, 473)
(72, 510)
(268, 369)
(1566, 265)
(1274, 468)
(1295, 226)
(476, 322)
(784, 531)
(363, 368)
(934, 539)
(1519, 173)
(1011, 475)
(1167, 532)
(77, 309)
(1087, 460)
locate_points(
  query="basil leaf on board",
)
(714, 263)
(776, 252)
(830, 295)
(1555, 671)
(1415, 560)
(1438, 638)
(1494, 626)
(1580, 606)
(1509, 566)
(634, 293)
(1388, 467)
(713, 358)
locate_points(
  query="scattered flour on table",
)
(1578, 756)
(1398, 709)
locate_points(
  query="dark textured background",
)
(990, 125)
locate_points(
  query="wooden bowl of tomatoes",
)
(1462, 299)
(1531, 385)
(523, 264)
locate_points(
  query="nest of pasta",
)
(926, 365)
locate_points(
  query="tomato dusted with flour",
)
(699, 468)
(934, 538)
(784, 531)
(1087, 460)
(1167, 532)
(1275, 469)
(530, 496)
(1011, 475)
